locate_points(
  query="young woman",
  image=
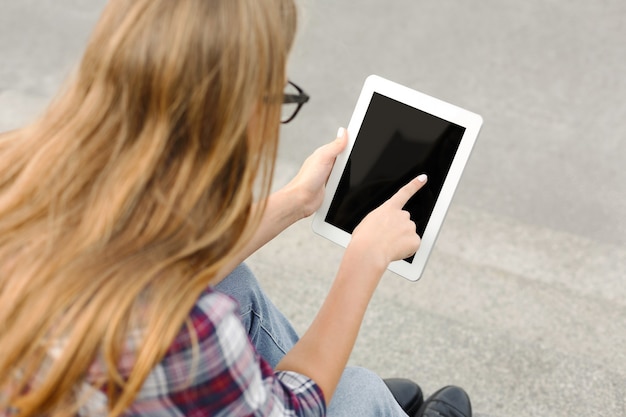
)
(126, 209)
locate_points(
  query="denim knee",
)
(242, 285)
(269, 330)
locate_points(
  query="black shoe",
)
(447, 402)
(407, 393)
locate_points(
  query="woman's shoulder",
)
(213, 304)
(213, 310)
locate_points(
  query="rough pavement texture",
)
(523, 302)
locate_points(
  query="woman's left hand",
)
(310, 183)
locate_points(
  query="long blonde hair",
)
(124, 199)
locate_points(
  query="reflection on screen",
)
(395, 144)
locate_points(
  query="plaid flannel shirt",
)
(227, 378)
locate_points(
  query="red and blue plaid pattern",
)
(226, 376)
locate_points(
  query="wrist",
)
(296, 200)
(363, 253)
(293, 203)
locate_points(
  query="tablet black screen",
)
(395, 144)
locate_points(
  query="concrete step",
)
(530, 321)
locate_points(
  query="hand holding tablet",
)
(396, 134)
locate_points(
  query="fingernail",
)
(340, 132)
(422, 178)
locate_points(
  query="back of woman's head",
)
(133, 188)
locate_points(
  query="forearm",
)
(323, 351)
(298, 199)
(282, 209)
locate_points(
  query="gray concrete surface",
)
(523, 302)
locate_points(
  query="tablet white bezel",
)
(470, 121)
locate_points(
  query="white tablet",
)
(395, 134)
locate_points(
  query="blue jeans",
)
(360, 392)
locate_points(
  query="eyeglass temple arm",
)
(295, 98)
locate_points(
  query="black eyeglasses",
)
(293, 99)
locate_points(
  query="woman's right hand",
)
(388, 234)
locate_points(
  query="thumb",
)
(340, 143)
(330, 151)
